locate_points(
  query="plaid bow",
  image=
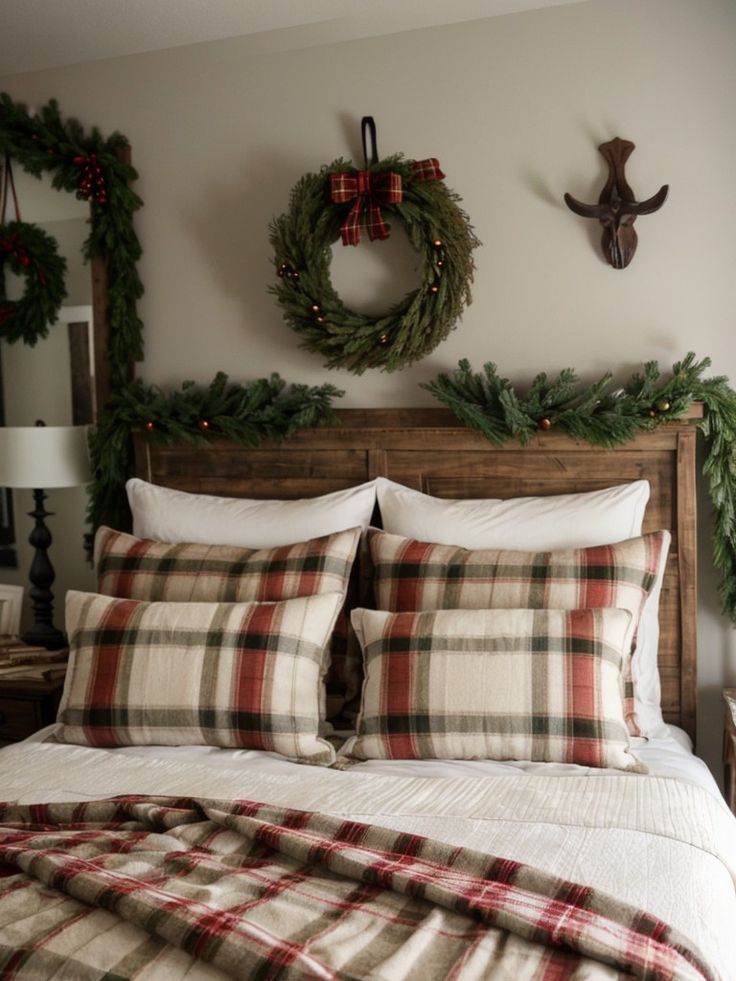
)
(428, 170)
(370, 192)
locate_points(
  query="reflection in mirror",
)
(53, 380)
(39, 381)
(8, 557)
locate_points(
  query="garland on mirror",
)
(606, 416)
(90, 166)
(250, 413)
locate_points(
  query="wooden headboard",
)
(430, 450)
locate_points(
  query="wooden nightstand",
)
(26, 705)
(729, 748)
(31, 683)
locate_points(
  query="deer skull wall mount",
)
(617, 209)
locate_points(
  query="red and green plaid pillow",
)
(414, 575)
(540, 685)
(139, 568)
(239, 675)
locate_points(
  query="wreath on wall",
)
(339, 202)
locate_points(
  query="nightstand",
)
(26, 705)
(729, 748)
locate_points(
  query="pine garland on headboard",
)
(263, 409)
(605, 416)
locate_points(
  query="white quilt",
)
(664, 844)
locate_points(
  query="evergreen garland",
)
(436, 227)
(192, 415)
(29, 251)
(596, 414)
(90, 166)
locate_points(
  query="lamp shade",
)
(43, 456)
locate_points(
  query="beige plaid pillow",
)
(539, 685)
(139, 568)
(414, 575)
(239, 675)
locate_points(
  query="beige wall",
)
(514, 108)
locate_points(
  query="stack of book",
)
(19, 660)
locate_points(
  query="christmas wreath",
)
(336, 203)
(29, 251)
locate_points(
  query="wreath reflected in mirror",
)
(32, 254)
(340, 202)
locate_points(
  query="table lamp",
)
(38, 457)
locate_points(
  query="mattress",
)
(664, 841)
(671, 756)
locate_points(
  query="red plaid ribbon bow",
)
(428, 170)
(370, 191)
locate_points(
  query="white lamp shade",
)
(43, 456)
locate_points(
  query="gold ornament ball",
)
(663, 406)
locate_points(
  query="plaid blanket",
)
(151, 887)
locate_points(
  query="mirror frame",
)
(45, 142)
(249, 413)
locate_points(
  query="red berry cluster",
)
(92, 183)
(14, 246)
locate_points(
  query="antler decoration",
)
(617, 209)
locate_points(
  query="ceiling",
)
(38, 34)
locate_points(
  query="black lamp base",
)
(42, 633)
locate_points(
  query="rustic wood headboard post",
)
(687, 557)
(430, 450)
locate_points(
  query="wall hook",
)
(617, 208)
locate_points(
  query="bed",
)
(133, 860)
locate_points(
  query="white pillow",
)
(644, 670)
(176, 516)
(542, 524)
(524, 524)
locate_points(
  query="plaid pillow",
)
(138, 568)
(413, 575)
(494, 684)
(245, 675)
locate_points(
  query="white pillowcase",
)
(524, 524)
(542, 524)
(176, 516)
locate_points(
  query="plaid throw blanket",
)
(157, 887)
